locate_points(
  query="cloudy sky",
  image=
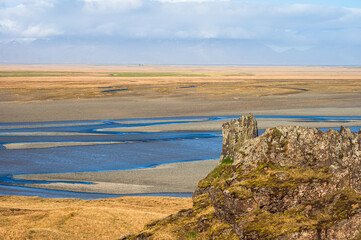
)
(268, 32)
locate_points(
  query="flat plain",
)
(53, 93)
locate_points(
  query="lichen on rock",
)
(288, 183)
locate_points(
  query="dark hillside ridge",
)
(289, 183)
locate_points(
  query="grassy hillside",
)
(40, 218)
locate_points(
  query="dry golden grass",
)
(39, 218)
(32, 83)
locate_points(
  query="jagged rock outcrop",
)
(235, 133)
(289, 183)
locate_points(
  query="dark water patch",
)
(300, 89)
(293, 88)
(115, 90)
(188, 86)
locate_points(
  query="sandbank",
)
(36, 125)
(27, 145)
(165, 178)
(47, 133)
(217, 125)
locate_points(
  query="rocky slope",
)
(289, 183)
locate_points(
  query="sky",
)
(268, 32)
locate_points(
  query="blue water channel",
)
(133, 149)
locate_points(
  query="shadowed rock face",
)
(288, 183)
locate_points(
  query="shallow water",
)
(136, 150)
(115, 90)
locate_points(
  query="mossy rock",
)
(321, 214)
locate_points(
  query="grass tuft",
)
(218, 175)
(227, 161)
(191, 235)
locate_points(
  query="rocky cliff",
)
(288, 183)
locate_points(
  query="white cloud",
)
(38, 31)
(26, 20)
(301, 23)
(191, 1)
(14, 12)
(96, 6)
(9, 27)
(281, 26)
(39, 3)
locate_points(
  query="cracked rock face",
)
(288, 183)
(235, 133)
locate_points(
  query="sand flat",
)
(28, 145)
(162, 121)
(47, 134)
(193, 126)
(217, 125)
(29, 126)
(138, 107)
(165, 178)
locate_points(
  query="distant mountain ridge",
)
(107, 50)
